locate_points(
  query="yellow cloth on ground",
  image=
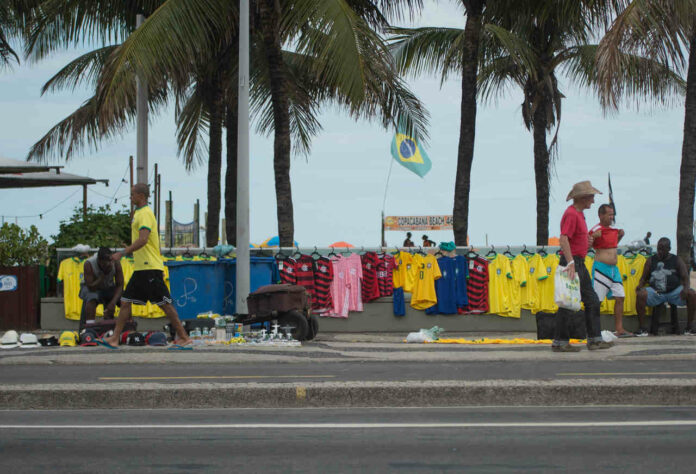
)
(485, 340)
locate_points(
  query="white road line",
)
(328, 426)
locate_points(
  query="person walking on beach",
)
(605, 273)
(147, 282)
(575, 241)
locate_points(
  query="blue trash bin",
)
(264, 271)
(197, 287)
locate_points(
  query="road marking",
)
(329, 426)
(625, 373)
(190, 377)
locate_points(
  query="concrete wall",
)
(377, 317)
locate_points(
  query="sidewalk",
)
(647, 375)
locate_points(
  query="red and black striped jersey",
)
(323, 276)
(304, 274)
(286, 268)
(369, 287)
(385, 270)
(477, 286)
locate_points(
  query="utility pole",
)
(130, 164)
(243, 268)
(84, 202)
(141, 110)
(196, 223)
(168, 222)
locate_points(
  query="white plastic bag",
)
(566, 291)
(425, 335)
(608, 336)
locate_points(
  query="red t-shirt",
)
(574, 227)
(609, 238)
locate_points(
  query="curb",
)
(657, 392)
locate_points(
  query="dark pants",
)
(589, 299)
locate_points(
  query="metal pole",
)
(195, 223)
(171, 220)
(141, 109)
(197, 218)
(384, 243)
(154, 197)
(168, 224)
(130, 164)
(159, 197)
(243, 268)
(84, 202)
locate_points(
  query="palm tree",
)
(665, 31)
(450, 50)
(14, 16)
(343, 59)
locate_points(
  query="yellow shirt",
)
(70, 272)
(403, 261)
(547, 302)
(520, 270)
(634, 271)
(148, 257)
(412, 272)
(500, 286)
(426, 273)
(531, 298)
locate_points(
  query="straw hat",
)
(583, 188)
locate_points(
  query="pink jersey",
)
(355, 274)
(339, 289)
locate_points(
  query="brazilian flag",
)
(408, 154)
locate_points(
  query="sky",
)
(338, 190)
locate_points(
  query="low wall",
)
(377, 317)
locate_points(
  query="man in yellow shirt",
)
(147, 282)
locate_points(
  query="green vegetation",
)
(19, 247)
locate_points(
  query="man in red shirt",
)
(575, 240)
(605, 274)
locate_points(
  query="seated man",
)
(102, 284)
(668, 282)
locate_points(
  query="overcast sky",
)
(339, 189)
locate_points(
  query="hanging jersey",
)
(354, 270)
(500, 286)
(369, 288)
(531, 292)
(412, 272)
(445, 288)
(304, 274)
(339, 289)
(385, 270)
(426, 273)
(634, 272)
(323, 275)
(477, 287)
(403, 264)
(547, 302)
(286, 268)
(70, 273)
(461, 271)
(520, 270)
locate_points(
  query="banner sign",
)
(418, 223)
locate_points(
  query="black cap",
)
(136, 339)
(48, 341)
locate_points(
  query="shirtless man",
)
(605, 274)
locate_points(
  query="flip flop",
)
(103, 343)
(178, 347)
(624, 334)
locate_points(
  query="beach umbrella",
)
(342, 243)
(274, 242)
(554, 241)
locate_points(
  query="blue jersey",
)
(445, 288)
(461, 269)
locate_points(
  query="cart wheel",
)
(298, 322)
(313, 326)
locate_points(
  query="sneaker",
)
(641, 333)
(565, 348)
(593, 346)
(689, 332)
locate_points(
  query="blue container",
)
(264, 271)
(197, 287)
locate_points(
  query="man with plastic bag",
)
(575, 240)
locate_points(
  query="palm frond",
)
(84, 70)
(192, 124)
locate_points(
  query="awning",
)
(46, 178)
(16, 166)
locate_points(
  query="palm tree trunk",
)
(541, 171)
(231, 116)
(687, 173)
(214, 99)
(467, 127)
(269, 13)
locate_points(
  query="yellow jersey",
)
(426, 273)
(531, 298)
(70, 273)
(500, 283)
(147, 257)
(547, 302)
(634, 271)
(520, 270)
(403, 262)
(412, 272)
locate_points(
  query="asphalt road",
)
(488, 440)
(345, 371)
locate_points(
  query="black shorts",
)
(147, 285)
